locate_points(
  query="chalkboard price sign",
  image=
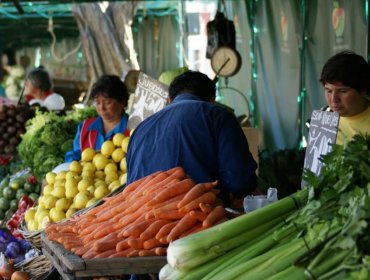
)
(150, 97)
(322, 134)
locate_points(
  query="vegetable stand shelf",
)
(71, 266)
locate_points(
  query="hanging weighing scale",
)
(226, 61)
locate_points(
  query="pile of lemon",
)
(86, 182)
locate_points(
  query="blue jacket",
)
(204, 139)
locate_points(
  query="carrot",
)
(122, 245)
(205, 207)
(137, 204)
(133, 253)
(208, 197)
(169, 215)
(105, 254)
(183, 225)
(165, 230)
(217, 214)
(199, 215)
(160, 251)
(134, 185)
(129, 218)
(106, 243)
(174, 174)
(151, 243)
(156, 179)
(161, 180)
(123, 253)
(137, 228)
(153, 228)
(72, 243)
(105, 229)
(194, 229)
(88, 229)
(135, 243)
(81, 250)
(195, 192)
(89, 254)
(173, 190)
(147, 253)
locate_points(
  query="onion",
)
(20, 275)
(6, 271)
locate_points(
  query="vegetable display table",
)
(71, 266)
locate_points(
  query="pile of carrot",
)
(142, 219)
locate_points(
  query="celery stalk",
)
(246, 252)
(193, 250)
(290, 273)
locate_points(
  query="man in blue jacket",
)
(204, 139)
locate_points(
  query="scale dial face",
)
(226, 61)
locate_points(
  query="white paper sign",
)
(150, 97)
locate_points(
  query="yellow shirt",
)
(349, 126)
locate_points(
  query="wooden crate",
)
(71, 266)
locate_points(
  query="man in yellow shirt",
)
(346, 80)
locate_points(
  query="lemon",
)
(71, 191)
(71, 182)
(123, 165)
(50, 177)
(124, 144)
(101, 192)
(87, 174)
(71, 174)
(114, 185)
(70, 212)
(47, 189)
(110, 177)
(44, 222)
(107, 148)
(59, 191)
(118, 138)
(61, 175)
(99, 174)
(75, 166)
(123, 178)
(92, 202)
(118, 154)
(57, 215)
(32, 225)
(100, 161)
(88, 154)
(62, 204)
(83, 185)
(91, 189)
(110, 168)
(30, 214)
(49, 202)
(39, 217)
(89, 166)
(81, 199)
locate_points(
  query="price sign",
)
(150, 97)
(322, 134)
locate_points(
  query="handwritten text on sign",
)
(322, 134)
(150, 97)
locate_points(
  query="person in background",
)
(38, 91)
(346, 80)
(110, 97)
(205, 140)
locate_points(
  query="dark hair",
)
(193, 82)
(40, 79)
(349, 68)
(110, 86)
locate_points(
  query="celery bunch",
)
(325, 239)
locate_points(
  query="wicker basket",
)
(33, 237)
(38, 267)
